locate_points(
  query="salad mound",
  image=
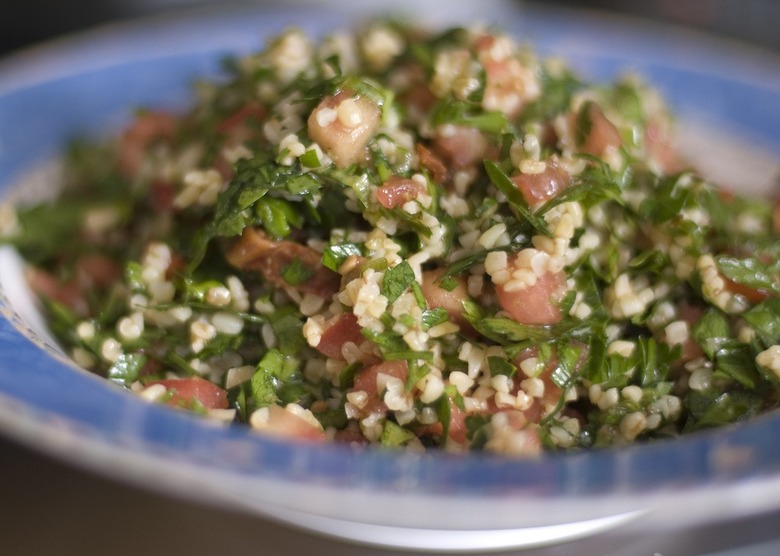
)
(414, 239)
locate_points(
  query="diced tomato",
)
(162, 195)
(552, 392)
(462, 146)
(595, 132)
(184, 391)
(142, 132)
(91, 271)
(96, 270)
(753, 295)
(418, 99)
(541, 187)
(69, 293)
(398, 190)
(449, 300)
(536, 304)
(350, 435)
(238, 126)
(365, 381)
(433, 164)
(507, 82)
(152, 367)
(659, 147)
(338, 331)
(344, 142)
(288, 425)
(255, 251)
(457, 428)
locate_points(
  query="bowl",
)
(726, 96)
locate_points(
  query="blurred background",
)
(24, 22)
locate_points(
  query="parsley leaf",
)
(432, 317)
(396, 281)
(514, 197)
(296, 273)
(463, 113)
(334, 255)
(751, 272)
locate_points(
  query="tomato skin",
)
(91, 271)
(286, 424)
(69, 293)
(254, 250)
(338, 331)
(538, 188)
(433, 163)
(461, 146)
(238, 125)
(146, 129)
(398, 190)
(365, 381)
(753, 295)
(449, 300)
(345, 144)
(456, 429)
(660, 147)
(536, 304)
(601, 135)
(184, 391)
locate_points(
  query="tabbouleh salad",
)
(413, 239)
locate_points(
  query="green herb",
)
(408, 355)
(309, 159)
(713, 408)
(297, 273)
(751, 272)
(501, 366)
(712, 332)
(737, 362)
(334, 255)
(278, 216)
(396, 281)
(264, 387)
(514, 197)
(467, 114)
(394, 435)
(557, 91)
(765, 320)
(275, 379)
(433, 317)
(287, 326)
(672, 195)
(126, 369)
(417, 371)
(389, 342)
(419, 298)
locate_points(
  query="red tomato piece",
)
(536, 304)
(541, 187)
(365, 381)
(141, 133)
(184, 391)
(338, 331)
(397, 190)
